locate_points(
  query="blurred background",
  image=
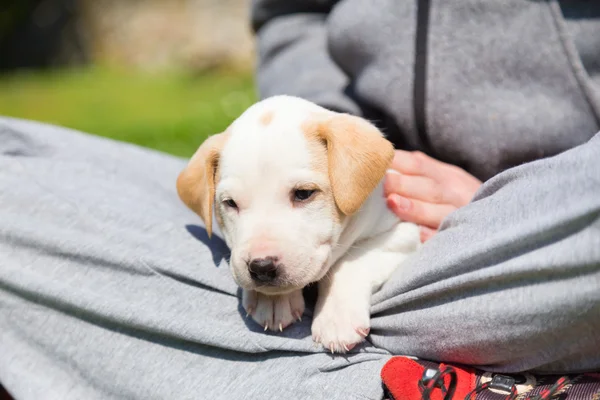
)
(160, 73)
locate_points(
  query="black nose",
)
(263, 269)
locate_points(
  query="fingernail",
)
(401, 202)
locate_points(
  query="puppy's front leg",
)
(342, 317)
(273, 312)
(342, 313)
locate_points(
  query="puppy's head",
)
(281, 181)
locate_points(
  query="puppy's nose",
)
(263, 269)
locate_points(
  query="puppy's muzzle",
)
(263, 270)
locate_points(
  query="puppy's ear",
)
(196, 183)
(358, 157)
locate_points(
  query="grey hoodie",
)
(486, 85)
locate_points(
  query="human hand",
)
(425, 190)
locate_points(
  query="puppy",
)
(297, 193)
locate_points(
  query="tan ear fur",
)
(358, 157)
(196, 183)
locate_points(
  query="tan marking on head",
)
(197, 182)
(266, 118)
(357, 156)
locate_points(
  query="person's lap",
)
(109, 287)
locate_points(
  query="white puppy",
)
(296, 191)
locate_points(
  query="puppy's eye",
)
(303, 195)
(230, 203)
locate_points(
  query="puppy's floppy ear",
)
(358, 157)
(196, 183)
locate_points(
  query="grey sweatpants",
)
(110, 288)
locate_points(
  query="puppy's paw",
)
(339, 326)
(273, 312)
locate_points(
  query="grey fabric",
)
(505, 80)
(110, 288)
(581, 23)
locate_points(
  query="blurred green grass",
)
(171, 112)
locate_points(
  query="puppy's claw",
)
(364, 332)
(331, 348)
(316, 339)
(280, 327)
(298, 316)
(346, 347)
(266, 326)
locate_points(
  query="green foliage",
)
(172, 112)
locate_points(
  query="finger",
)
(457, 185)
(415, 187)
(416, 163)
(426, 233)
(419, 212)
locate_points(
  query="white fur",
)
(260, 166)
